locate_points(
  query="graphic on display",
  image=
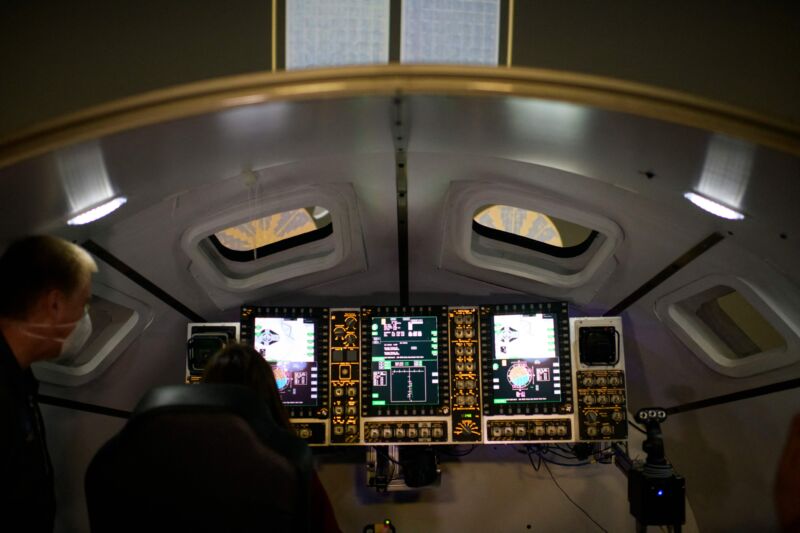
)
(279, 339)
(288, 345)
(519, 376)
(525, 336)
(526, 367)
(405, 360)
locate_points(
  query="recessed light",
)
(97, 212)
(713, 207)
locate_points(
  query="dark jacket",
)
(27, 498)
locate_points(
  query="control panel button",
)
(538, 431)
(400, 433)
(352, 391)
(424, 433)
(338, 430)
(387, 433)
(351, 410)
(437, 433)
(412, 433)
(521, 431)
(551, 431)
(374, 433)
(591, 431)
(562, 431)
(352, 429)
(338, 410)
(606, 430)
(338, 391)
(601, 381)
(497, 432)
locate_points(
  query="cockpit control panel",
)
(422, 375)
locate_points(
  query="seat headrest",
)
(222, 398)
(200, 458)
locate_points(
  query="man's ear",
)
(52, 303)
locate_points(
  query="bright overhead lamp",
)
(715, 208)
(100, 211)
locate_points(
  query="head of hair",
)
(241, 364)
(34, 265)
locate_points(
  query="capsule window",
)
(268, 235)
(741, 330)
(533, 230)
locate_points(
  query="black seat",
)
(200, 458)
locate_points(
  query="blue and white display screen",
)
(405, 361)
(525, 367)
(288, 345)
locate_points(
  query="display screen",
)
(526, 366)
(405, 360)
(288, 345)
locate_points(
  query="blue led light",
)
(660, 492)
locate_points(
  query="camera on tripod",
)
(655, 492)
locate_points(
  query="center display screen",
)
(405, 361)
(525, 365)
(288, 345)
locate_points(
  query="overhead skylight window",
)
(533, 230)
(324, 33)
(450, 31)
(742, 330)
(274, 233)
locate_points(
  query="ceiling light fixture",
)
(90, 215)
(713, 207)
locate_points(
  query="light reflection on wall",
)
(726, 171)
(550, 132)
(84, 177)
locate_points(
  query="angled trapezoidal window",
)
(731, 318)
(532, 230)
(271, 234)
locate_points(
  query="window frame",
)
(241, 256)
(533, 244)
(705, 343)
(467, 252)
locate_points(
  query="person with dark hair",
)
(45, 285)
(787, 480)
(242, 364)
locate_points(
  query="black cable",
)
(536, 467)
(387, 456)
(546, 460)
(452, 454)
(573, 501)
(560, 455)
(637, 428)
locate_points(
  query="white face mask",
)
(71, 348)
(71, 344)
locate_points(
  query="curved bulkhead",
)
(401, 159)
